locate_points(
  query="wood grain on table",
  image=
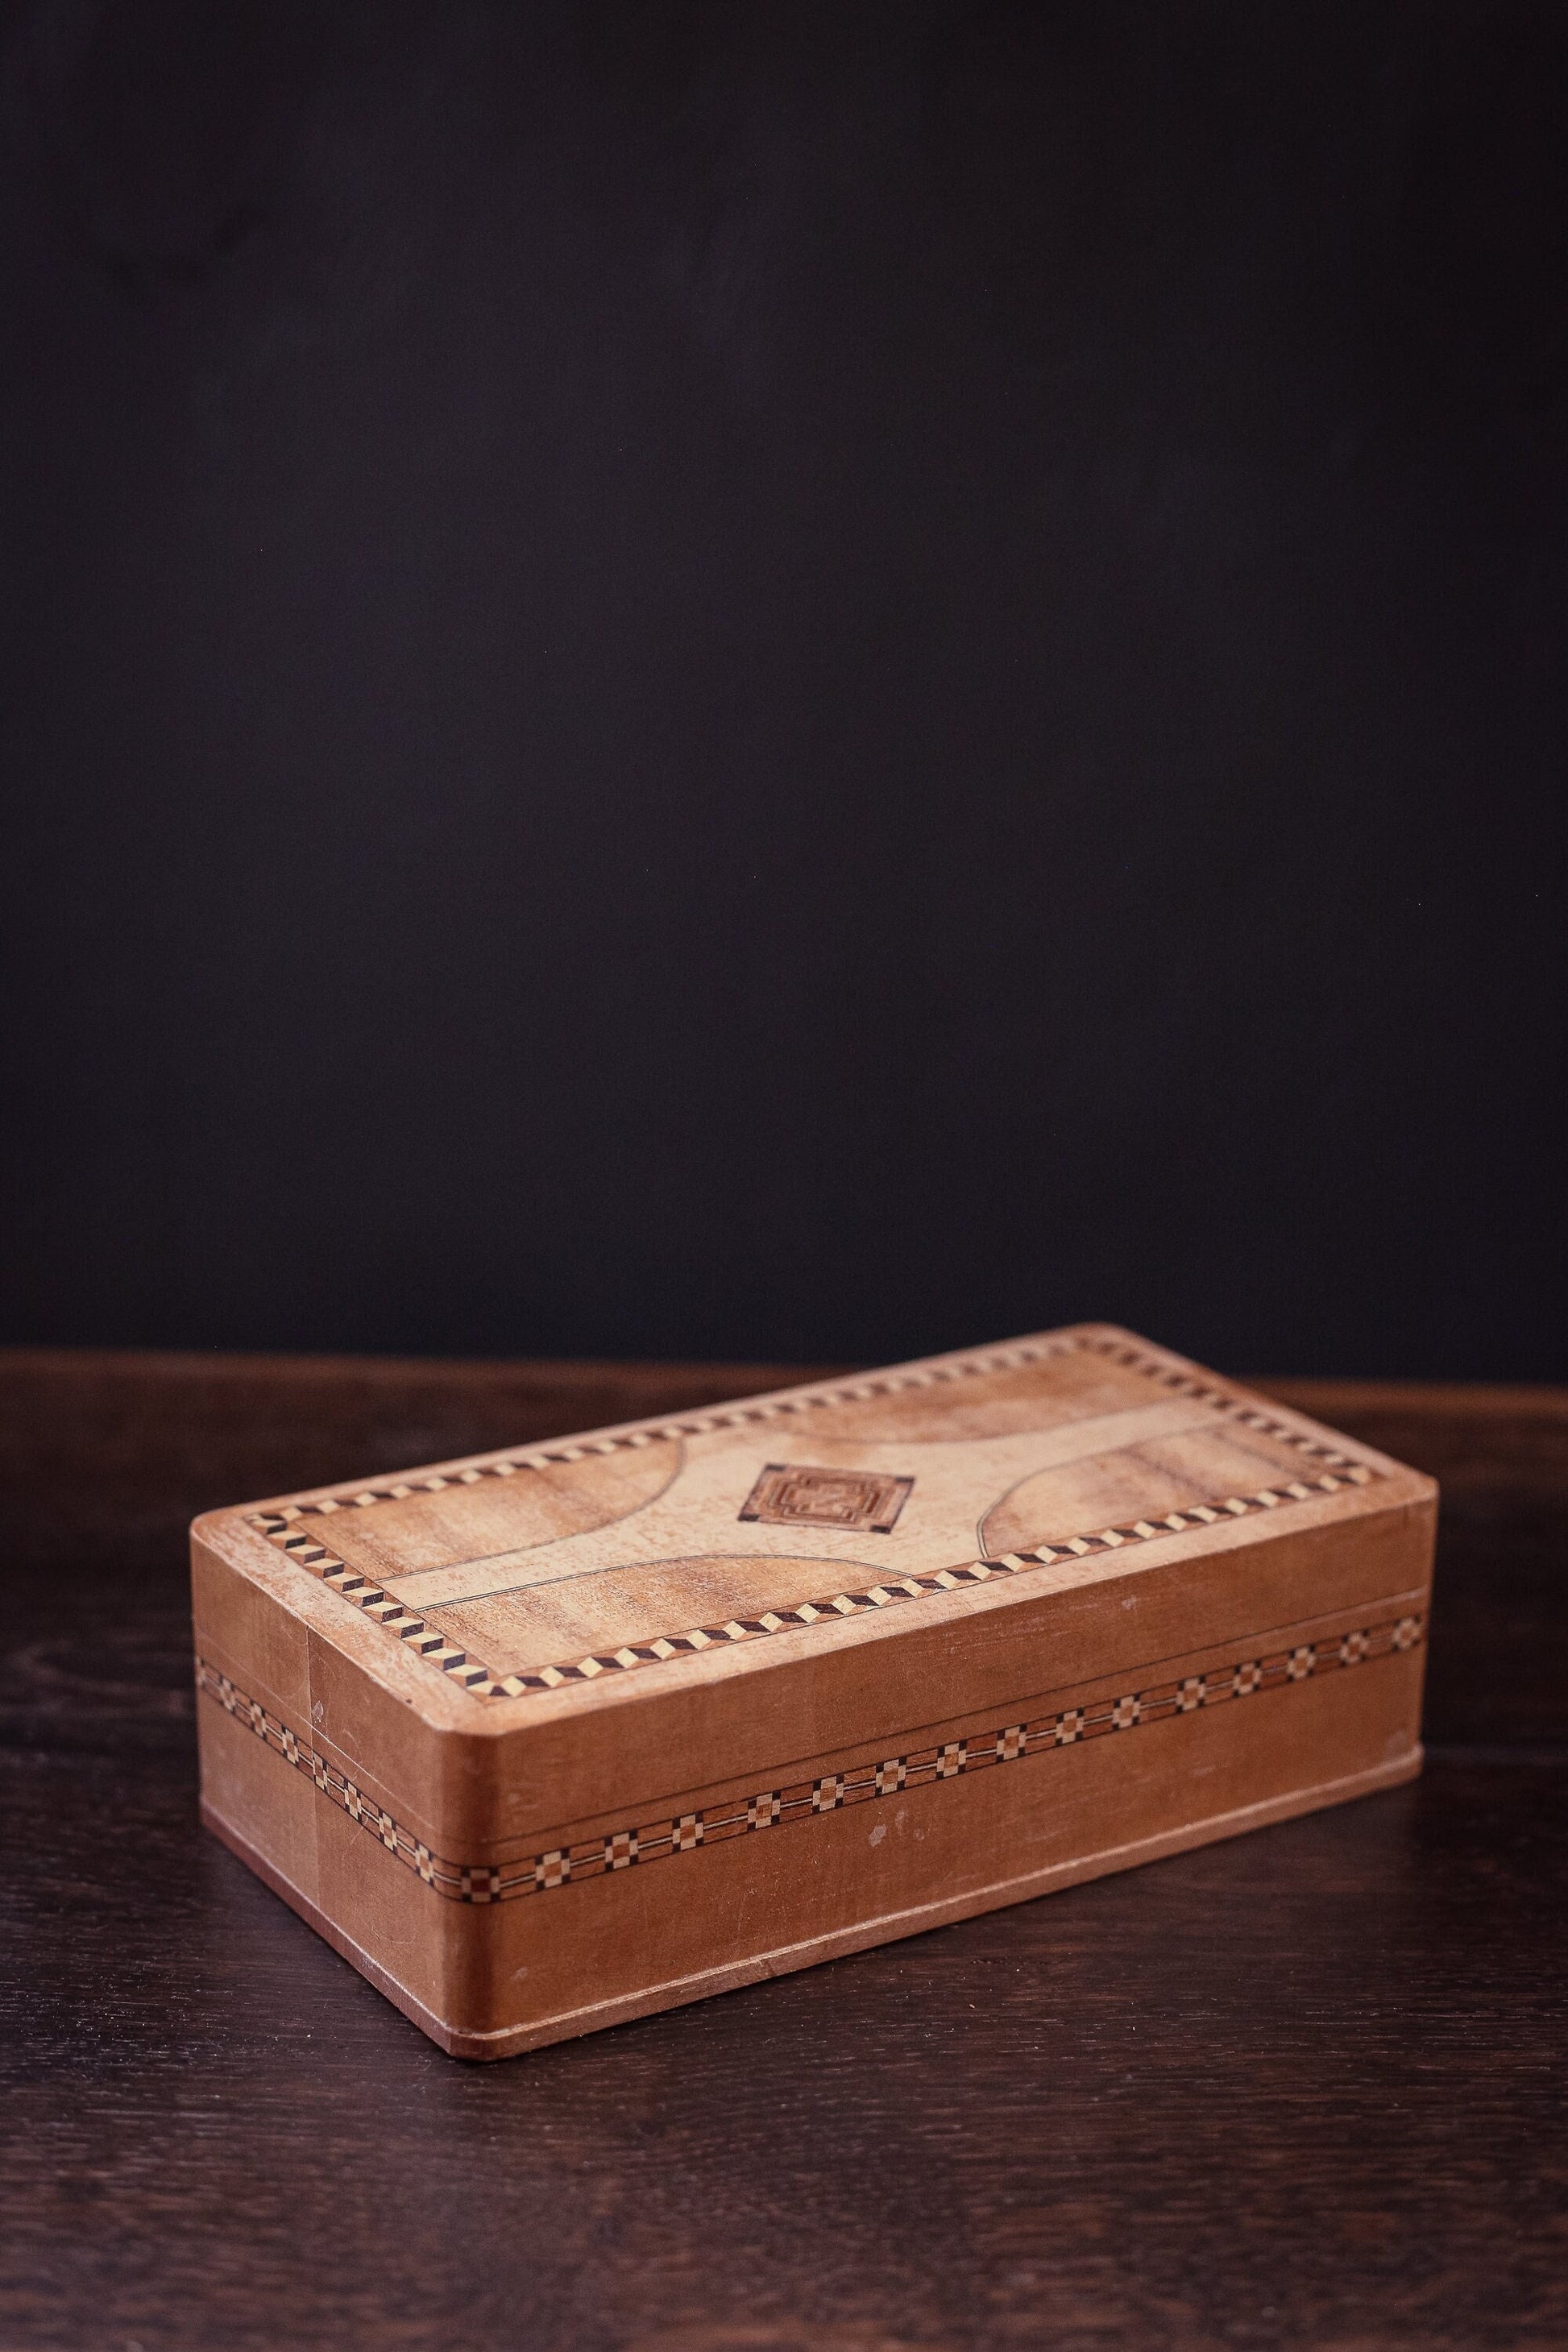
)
(1304, 2089)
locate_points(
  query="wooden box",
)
(549, 1738)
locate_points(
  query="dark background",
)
(786, 681)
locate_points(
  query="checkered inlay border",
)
(1331, 1470)
(802, 1801)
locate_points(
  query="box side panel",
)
(301, 1807)
(625, 1943)
(265, 1652)
(665, 1911)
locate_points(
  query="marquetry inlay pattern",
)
(1258, 1672)
(295, 1529)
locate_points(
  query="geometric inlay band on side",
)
(1330, 1468)
(805, 1800)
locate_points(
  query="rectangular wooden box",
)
(549, 1738)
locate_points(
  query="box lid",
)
(895, 1535)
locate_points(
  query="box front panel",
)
(714, 1887)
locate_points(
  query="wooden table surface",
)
(1303, 2089)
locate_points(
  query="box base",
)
(511, 2041)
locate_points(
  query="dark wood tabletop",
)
(1304, 2089)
